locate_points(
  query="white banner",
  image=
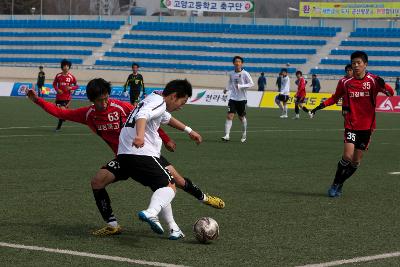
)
(218, 98)
(6, 88)
(210, 6)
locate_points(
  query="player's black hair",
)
(284, 70)
(348, 66)
(360, 54)
(262, 73)
(97, 87)
(314, 75)
(299, 72)
(135, 64)
(66, 62)
(182, 88)
(40, 67)
(237, 57)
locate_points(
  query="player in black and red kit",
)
(359, 100)
(106, 117)
(64, 83)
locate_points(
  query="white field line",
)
(29, 127)
(394, 173)
(42, 135)
(355, 260)
(88, 255)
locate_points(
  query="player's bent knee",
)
(102, 179)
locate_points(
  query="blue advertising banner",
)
(80, 93)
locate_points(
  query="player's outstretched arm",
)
(75, 115)
(182, 127)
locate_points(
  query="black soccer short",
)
(238, 107)
(62, 103)
(134, 95)
(149, 171)
(360, 139)
(282, 98)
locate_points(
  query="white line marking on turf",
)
(355, 260)
(394, 173)
(89, 255)
(29, 127)
(41, 135)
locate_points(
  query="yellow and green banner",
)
(312, 100)
(359, 10)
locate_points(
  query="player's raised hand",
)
(138, 142)
(170, 146)
(31, 94)
(195, 137)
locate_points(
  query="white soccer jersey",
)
(153, 109)
(238, 84)
(285, 88)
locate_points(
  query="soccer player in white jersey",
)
(139, 152)
(283, 97)
(239, 81)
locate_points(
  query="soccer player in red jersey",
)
(300, 96)
(106, 117)
(64, 83)
(359, 100)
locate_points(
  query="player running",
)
(64, 83)
(239, 81)
(359, 100)
(105, 117)
(282, 98)
(139, 152)
(300, 96)
(135, 83)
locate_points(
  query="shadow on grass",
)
(304, 194)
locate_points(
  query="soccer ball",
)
(206, 229)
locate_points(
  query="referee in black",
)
(135, 82)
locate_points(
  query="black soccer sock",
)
(305, 109)
(60, 122)
(351, 169)
(340, 171)
(193, 189)
(103, 203)
(296, 109)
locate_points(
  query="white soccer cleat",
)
(225, 138)
(243, 139)
(175, 234)
(296, 117)
(311, 114)
(152, 220)
(283, 116)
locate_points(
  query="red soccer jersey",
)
(359, 97)
(301, 88)
(107, 124)
(61, 82)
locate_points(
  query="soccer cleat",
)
(333, 190)
(243, 139)
(214, 202)
(176, 234)
(153, 221)
(296, 117)
(108, 230)
(225, 138)
(283, 116)
(311, 114)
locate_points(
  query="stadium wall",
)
(152, 79)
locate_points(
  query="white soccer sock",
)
(160, 199)
(228, 126)
(113, 223)
(285, 109)
(244, 125)
(167, 215)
